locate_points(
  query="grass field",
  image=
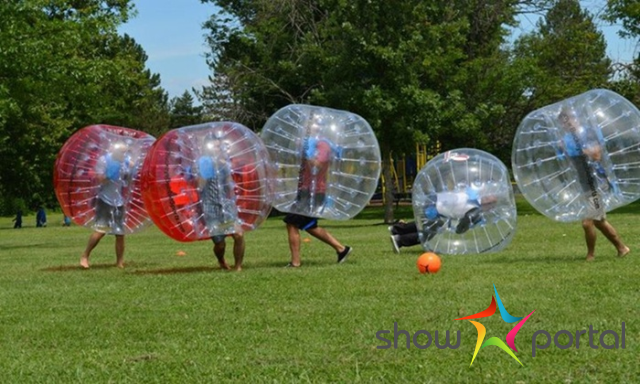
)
(166, 318)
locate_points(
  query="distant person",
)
(41, 217)
(18, 219)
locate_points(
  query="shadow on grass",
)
(65, 268)
(542, 259)
(174, 271)
(283, 264)
(28, 245)
(77, 267)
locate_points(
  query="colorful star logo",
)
(482, 331)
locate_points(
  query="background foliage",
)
(415, 70)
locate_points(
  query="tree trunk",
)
(389, 188)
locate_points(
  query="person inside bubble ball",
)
(457, 210)
(584, 149)
(580, 144)
(218, 200)
(316, 158)
(113, 172)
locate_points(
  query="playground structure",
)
(405, 169)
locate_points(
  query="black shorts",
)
(301, 222)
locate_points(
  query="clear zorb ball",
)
(463, 203)
(580, 157)
(327, 160)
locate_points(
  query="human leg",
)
(471, 218)
(401, 228)
(120, 251)
(238, 250)
(293, 234)
(408, 239)
(590, 237)
(94, 239)
(323, 235)
(612, 235)
(430, 228)
(219, 248)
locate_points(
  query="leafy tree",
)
(627, 11)
(627, 79)
(566, 55)
(63, 66)
(183, 112)
(405, 66)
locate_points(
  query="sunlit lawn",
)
(166, 318)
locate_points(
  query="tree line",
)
(417, 71)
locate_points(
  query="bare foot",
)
(120, 264)
(623, 252)
(223, 265)
(237, 268)
(84, 262)
(591, 257)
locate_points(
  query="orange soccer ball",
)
(429, 262)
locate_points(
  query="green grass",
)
(179, 319)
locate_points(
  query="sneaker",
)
(342, 256)
(394, 244)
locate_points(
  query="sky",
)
(170, 32)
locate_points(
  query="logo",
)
(509, 347)
(563, 339)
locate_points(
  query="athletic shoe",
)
(394, 244)
(342, 256)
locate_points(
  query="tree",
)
(566, 55)
(627, 11)
(627, 79)
(63, 66)
(410, 68)
(183, 112)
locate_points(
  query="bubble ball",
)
(328, 161)
(463, 203)
(208, 180)
(97, 178)
(580, 157)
